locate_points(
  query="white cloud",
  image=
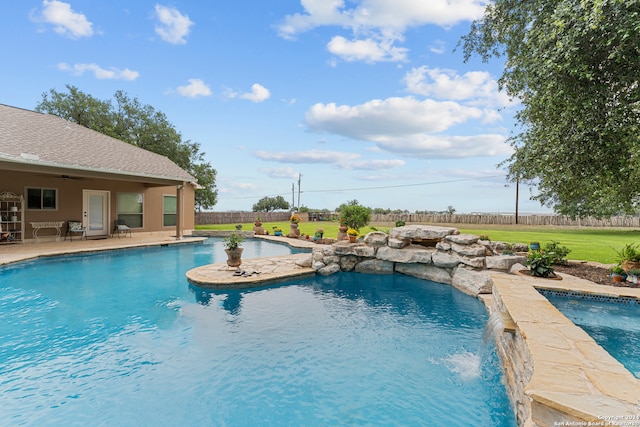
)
(65, 21)
(368, 50)
(438, 47)
(397, 116)
(228, 186)
(309, 156)
(195, 88)
(408, 126)
(446, 146)
(258, 93)
(474, 87)
(99, 72)
(173, 27)
(377, 24)
(288, 173)
(342, 160)
(380, 14)
(372, 164)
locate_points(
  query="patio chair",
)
(121, 227)
(77, 228)
(5, 236)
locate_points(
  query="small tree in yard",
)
(355, 216)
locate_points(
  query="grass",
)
(589, 244)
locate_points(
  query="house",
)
(66, 172)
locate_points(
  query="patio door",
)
(95, 205)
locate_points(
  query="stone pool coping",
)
(557, 373)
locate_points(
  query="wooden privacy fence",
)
(541, 220)
(243, 217)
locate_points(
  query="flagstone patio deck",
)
(16, 252)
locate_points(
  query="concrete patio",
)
(15, 252)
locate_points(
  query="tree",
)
(353, 215)
(268, 204)
(575, 66)
(140, 125)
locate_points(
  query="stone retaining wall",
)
(439, 254)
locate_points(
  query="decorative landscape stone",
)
(440, 254)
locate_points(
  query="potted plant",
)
(277, 231)
(232, 246)
(295, 218)
(400, 223)
(629, 257)
(318, 234)
(353, 234)
(618, 274)
(257, 226)
(534, 246)
(294, 231)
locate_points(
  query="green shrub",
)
(557, 252)
(355, 216)
(540, 263)
(630, 252)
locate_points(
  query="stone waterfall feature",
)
(439, 254)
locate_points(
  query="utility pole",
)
(293, 196)
(517, 190)
(299, 179)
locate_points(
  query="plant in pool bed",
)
(540, 263)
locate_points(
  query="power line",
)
(403, 185)
(377, 188)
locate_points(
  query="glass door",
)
(96, 212)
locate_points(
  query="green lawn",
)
(591, 244)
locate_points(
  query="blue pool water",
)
(615, 326)
(122, 339)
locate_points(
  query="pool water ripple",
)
(148, 349)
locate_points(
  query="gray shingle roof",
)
(34, 138)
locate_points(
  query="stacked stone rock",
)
(439, 254)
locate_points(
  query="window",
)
(169, 211)
(130, 209)
(42, 198)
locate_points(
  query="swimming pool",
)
(613, 325)
(120, 338)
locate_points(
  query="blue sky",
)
(365, 99)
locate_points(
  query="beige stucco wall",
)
(70, 203)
